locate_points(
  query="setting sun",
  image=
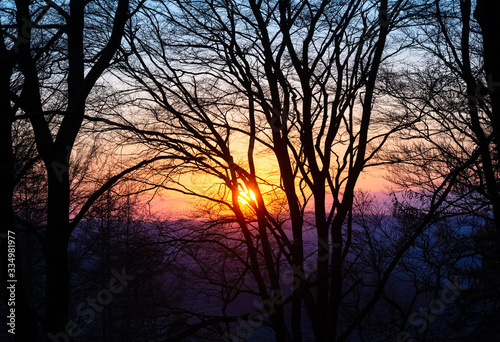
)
(246, 196)
(261, 170)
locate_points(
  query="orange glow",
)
(246, 196)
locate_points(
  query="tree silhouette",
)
(57, 74)
(294, 81)
(266, 114)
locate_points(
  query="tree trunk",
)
(56, 254)
(322, 315)
(26, 322)
(486, 14)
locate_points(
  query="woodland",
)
(334, 166)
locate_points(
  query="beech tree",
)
(266, 113)
(454, 94)
(295, 81)
(49, 74)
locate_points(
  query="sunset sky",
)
(204, 170)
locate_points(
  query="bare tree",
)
(295, 81)
(453, 92)
(58, 72)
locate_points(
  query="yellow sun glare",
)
(246, 196)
